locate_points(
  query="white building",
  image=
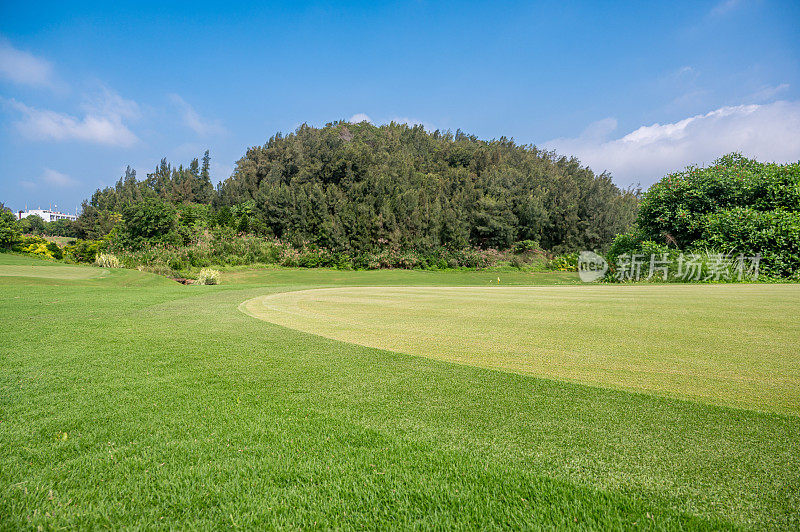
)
(46, 215)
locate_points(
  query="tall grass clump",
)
(208, 276)
(108, 260)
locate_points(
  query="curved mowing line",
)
(723, 344)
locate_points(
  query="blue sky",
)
(635, 88)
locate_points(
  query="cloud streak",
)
(49, 178)
(103, 122)
(24, 68)
(57, 179)
(193, 120)
(725, 6)
(769, 132)
(769, 92)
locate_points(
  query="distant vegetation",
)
(361, 188)
(735, 206)
(394, 196)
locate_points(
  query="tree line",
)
(359, 188)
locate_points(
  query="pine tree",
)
(205, 190)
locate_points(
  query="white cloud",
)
(725, 6)
(49, 178)
(108, 103)
(768, 132)
(103, 122)
(57, 179)
(23, 67)
(769, 92)
(194, 121)
(359, 117)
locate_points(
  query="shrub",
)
(38, 246)
(775, 233)
(107, 260)
(676, 208)
(737, 206)
(525, 246)
(147, 221)
(9, 232)
(83, 250)
(32, 224)
(208, 276)
(40, 249)
(565, 263)
(55, 251)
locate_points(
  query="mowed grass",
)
(20, 266)
(129, 401)
(723, 344)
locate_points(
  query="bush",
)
(675, 210)
(565, 263)
(83, 250)
(9, 232)
(107, 260)
(208, 276)
(147, 221)
(55, 251)
(775, 234)
(32, 224)
(736, 206)
(40, 249)
(38, 246)
(64, 227)
(525, 246)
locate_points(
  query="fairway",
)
(724, 344)
(131, 401)
(545, 277)
(15, 266)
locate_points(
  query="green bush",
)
(9, 232)
(82, 250)
(565, 263)
(675, 209)
(64, 227)
(737, 206)
(223, 247)
(33, 224)
(775, 234)
(526, 246)
(55, 251)
(147, 222)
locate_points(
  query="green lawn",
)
(20, 266)
(725, 344)
(128, 400)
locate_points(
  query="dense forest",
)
(358, 188)
(361, 196)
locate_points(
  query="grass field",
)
(725, 344)
(128, 400)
